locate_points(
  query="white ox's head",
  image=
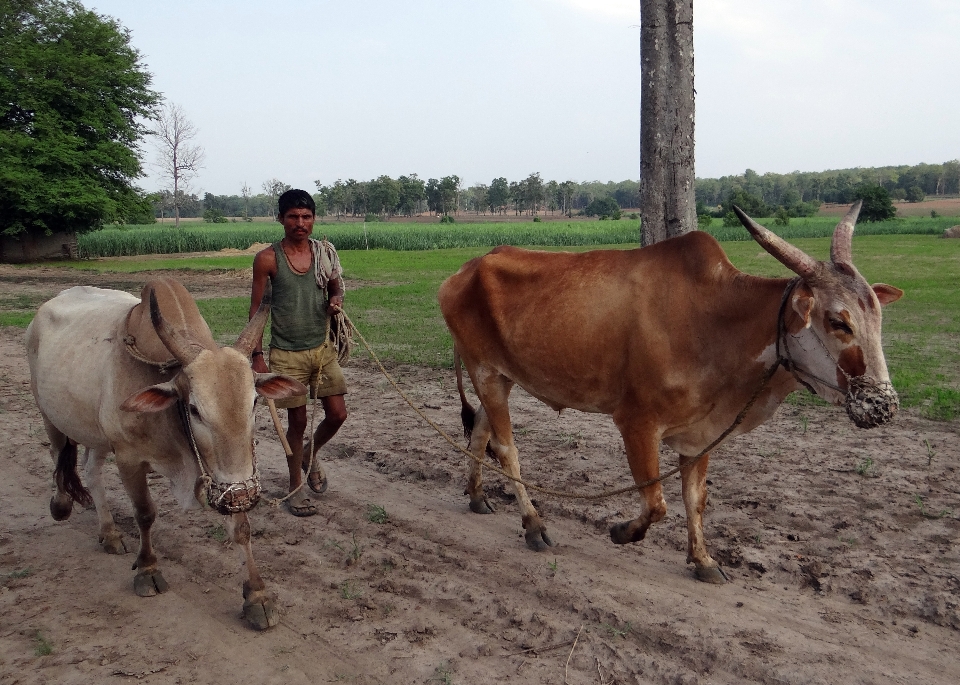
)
(832, 322)
(217, 390)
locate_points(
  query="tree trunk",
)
(668, 204)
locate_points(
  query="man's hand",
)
(257, 363)
(335, 303)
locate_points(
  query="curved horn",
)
(791, 257)
(253, 331)
(181, 347)
(843, 236)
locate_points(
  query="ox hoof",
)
(113, 544)
(538, 540)
(60, 511)
(621, 534)
(149, 583)
(481, 506)
(261, 613)
(711, 574)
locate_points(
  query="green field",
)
(394, 304)
(193, 237)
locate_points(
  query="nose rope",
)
(788, 361)
(208, 481)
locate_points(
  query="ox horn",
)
(181, 347)
(791, 257)
(253, 331)
(843, 236)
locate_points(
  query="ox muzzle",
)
(870, 403)
(228, 498)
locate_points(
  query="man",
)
(307, 289)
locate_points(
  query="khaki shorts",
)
(317, 369)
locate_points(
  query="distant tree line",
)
(801, 193)
(768, 195)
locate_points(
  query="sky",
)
(319, 90)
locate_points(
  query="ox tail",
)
(468, 414)
(66, 476)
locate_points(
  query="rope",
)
(567, 495)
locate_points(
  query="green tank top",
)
(298, 316)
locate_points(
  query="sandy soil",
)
(838, 574)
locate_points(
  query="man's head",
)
(295, 199)
(297, 213)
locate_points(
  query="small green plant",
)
(376, 514)
(553, 566)
(863, 468)
(618, 632)
(804, 424)
(537, 219)
(570, 439)
(42, 646)
(934, 214)
(356, 551)
(349, 591)
(447, 219)
(781, 218)
(22, 573)
(442, 674)
(930, 452)
(929, 514)
(217, 532)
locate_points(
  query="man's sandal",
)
(316, 478)
(303, 506)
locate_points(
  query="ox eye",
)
(840, 325)
(194, 411)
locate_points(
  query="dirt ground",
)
(840, 545)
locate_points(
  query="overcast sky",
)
(304, 90)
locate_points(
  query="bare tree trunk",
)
(668, 204)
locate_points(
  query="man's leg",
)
(334, 414)
(296, 426)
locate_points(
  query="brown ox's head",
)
(217, 389)
(833, 322)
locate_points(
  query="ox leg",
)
(61, 503)
(148, 581)
(111, 540)
(494, 391)
(643, 455)
(259, 609)
(694, 484)
(478, 445)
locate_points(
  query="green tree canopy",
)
(877, 205)
(73, 96)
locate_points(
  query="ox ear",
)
(276, 387)
(155, 398)
(803, 303)
(886, 293)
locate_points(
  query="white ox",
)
(195, 428)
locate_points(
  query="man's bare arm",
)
(264, 268)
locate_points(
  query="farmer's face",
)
(297, 223)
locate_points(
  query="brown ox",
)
(672, 341)
(195, 428)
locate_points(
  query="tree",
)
(273, 189)
(412, 194)
(603, 207)
(245, 191)
(74, 96)
(180, 159)
(914, 194)
(498, 195)
(877, 205)
(667, 198)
